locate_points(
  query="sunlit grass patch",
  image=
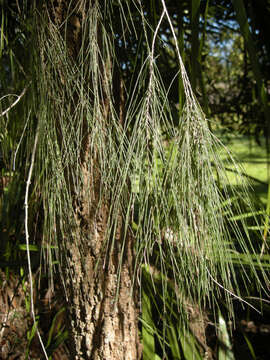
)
(252, 158)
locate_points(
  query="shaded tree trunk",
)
(102, 324)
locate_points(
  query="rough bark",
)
(102, 325)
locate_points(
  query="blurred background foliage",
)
(226, 50)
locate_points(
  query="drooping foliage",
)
(158, 163)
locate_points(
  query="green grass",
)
(252, 158)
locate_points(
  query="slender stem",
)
(27, 240)
(231, 293)
(15, 102)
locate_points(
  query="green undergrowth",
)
(252, 158)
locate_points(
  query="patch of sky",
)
(220, 46)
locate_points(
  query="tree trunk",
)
(103, 325)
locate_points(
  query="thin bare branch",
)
(15, 102)
(27, 241)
